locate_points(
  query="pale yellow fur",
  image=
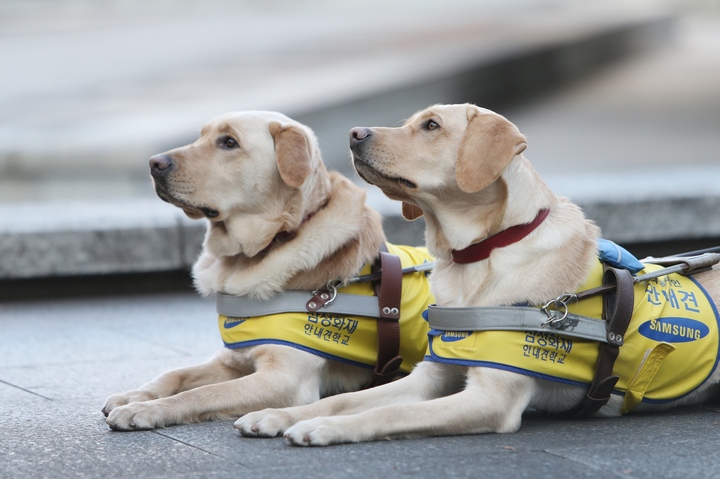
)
(336, 234)
(418, 164)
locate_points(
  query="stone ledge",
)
(84, 238)
(657, 220)
(145, 236)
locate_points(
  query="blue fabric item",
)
(618, 256)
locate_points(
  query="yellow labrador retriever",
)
(502, 238)
(278, 221)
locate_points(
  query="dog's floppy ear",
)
(411, 212)
(293, 153)
(490, 142)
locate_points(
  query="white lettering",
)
(675, 329)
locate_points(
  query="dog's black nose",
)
(359, 134)
(160, 163)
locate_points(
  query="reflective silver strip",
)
(514, 318)
(294, 302)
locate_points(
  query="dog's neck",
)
(334, 243)
(284, 235)
(549, 261)
(482, 250)
(458, 220)
(253, 232)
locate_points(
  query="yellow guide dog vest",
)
(670, 347)
(343, 338)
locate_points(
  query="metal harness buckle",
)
(322, 297)
(560, 305)
(329, 294)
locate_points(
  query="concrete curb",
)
(83, 238)
(143, 236)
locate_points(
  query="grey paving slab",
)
(673, 445)
(494, 456)
(52, 426)
(47, 452)
(104, 331)
(656, 219)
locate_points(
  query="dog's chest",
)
(459, 286)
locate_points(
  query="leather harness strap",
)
(389, 292)
(617, 312)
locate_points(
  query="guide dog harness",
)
(362, 324)
(653, 337)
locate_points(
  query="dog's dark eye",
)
(227, 142)
(431, 125)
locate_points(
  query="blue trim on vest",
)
(469, 363)
(524, 372)
(277, 342)
(717, 357)
(316, 352)
(504, 367)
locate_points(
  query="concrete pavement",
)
(60, 359)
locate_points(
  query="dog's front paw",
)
(117, 400)
(136, 416)
(265, 423)
(320, 431)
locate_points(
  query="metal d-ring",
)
(557, 303)
(329, 294)
(332, 286)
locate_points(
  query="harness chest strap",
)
(295, 302)
(514, 318)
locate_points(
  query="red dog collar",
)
(480, 251)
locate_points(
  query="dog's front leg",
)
(283, 377)
(426, 381)
(493, 401)
(178, 380)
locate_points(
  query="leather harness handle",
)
(389, 293)
(617, 312)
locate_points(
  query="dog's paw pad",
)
(122, 399)
(314, 432)
(262, 424)
(135, 417)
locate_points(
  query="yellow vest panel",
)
(344, 338)
(670, 347)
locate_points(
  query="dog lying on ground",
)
(278, 221)
(462, 167)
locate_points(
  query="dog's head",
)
(252, 174)
(446, 152)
